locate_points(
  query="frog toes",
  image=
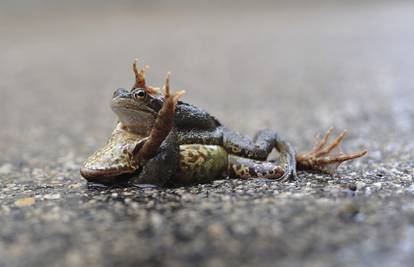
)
(167, 92)
(326, 157)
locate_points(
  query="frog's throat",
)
(137, 120)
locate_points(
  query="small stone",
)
(411, 189)
(52, 196)
(216, 230)
(378, 185)
(156, 220)
(352, 186)
(348, 210)
(6, 168)
(75, 186)
(4, 210)
(360, 185)
(23, 202)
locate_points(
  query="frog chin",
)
(136, 120)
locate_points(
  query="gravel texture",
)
(296, 69)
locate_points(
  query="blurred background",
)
(292, 66)
(298, 67)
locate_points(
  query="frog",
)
(162, 140)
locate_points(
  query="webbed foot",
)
(140, 79)
(323, 157)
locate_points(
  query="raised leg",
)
(159, 155)
(260, 147)
(162, 126)
(323, 156)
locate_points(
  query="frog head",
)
(137, 109)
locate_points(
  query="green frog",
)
(162, 140)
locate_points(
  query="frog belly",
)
(201, 163)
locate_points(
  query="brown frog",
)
(162, 140)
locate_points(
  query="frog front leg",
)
(162, 125)
(158, 157)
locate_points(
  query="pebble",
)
(51, 196)
(23, 202)
(410, 189)
(378, 185)
(6, 168)
(75, 186)
(216, 230)
(360, 185)
(348, 211)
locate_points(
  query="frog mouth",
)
(125, 104)
(135, 116)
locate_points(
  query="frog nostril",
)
(120, 92)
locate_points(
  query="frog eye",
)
(140, 94)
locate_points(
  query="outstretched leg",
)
(244, 168)
(260, 147)
(322, 157)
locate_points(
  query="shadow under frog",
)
(161, 140)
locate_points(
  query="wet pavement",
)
(295, 69)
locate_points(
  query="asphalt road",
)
(295, 69)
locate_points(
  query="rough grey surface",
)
(295, 69)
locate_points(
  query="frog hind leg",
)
(260, 147)
(201, 164)
(244, 168)
(326, 157)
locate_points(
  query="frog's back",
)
(190, 116)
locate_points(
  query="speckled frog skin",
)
(160, 140)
